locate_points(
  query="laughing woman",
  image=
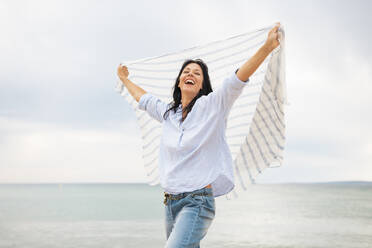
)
(195, 163)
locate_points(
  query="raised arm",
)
(249, 67)
(133, 89)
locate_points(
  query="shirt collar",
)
(179, 108)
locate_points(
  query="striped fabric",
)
(255, 126)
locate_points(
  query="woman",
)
(195, 164)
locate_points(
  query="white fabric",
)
(255, 129)
(194, 153)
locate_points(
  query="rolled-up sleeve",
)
(225, 96)
(153, 106)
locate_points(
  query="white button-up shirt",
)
(194, 153)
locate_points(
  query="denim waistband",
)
(203, 191)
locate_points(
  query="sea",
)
(300, 215)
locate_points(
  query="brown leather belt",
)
(182, 195)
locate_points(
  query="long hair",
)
(205, 90)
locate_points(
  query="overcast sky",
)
(62, 121)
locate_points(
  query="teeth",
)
(190, 81)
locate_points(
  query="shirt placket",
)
(181, 129)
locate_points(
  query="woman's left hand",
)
(273, 38)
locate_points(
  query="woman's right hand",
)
(123, 72)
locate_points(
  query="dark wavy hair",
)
(205, 90)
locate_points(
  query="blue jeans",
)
(188, 217)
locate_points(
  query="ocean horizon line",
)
(144, 183)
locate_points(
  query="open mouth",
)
(189, 81)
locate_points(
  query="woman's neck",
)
(186, 100)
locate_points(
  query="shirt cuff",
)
(236, 77)
(143, 101)
(235, 84)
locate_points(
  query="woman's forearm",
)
(256, 60)
(249, 67)
(133, 89)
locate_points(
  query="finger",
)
(275, 29)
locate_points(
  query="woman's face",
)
(191, 80)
